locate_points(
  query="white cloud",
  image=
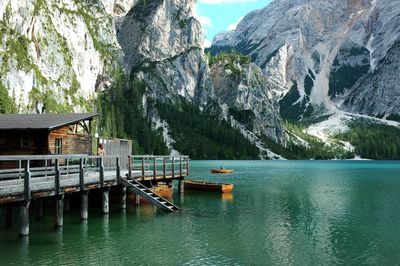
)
(234, 25)
(204, 21)
(218, 2)
(206, 43)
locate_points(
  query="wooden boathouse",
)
(42, 134)
(48, 157)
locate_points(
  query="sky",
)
(220, 15)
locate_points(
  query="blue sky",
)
(220, 15)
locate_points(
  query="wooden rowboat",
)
(221, 171)
(208, 186)
(164, 191)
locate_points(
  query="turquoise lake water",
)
(280, 213)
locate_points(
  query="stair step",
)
(150, 195)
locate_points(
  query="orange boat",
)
(164, 191)
(221, 171)
(208, 186)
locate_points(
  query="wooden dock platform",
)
(40, 176)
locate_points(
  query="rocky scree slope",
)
(340, 54)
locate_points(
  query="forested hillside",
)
(201, 136)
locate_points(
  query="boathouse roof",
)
(40, 121)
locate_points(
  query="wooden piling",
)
(181, 186)
(122, 197)
(106, 200)
(84, 204)
(24, 218)
(59, 211)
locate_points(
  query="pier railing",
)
(157, 167)
(26, 177)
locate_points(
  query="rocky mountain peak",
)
(324, 50)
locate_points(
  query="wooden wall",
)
(72, 143)
(10, 144)
(43, 142)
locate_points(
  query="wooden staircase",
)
(149, 195)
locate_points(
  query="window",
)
(24, 141)
(58, 146)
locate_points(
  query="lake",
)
(280, 213)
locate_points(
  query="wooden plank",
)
(101, 173)
(57, 177)
(27, 179)
(81, 175)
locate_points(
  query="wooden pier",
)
(55, 176)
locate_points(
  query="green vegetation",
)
(373, 140)
(233, 61)
(231, 57)
(242, 116)
(347, 75)
(7, 104)
(201, 136)
(316, 149)
(309, 82)
(291, 108)
(121, 115)
(394, 117)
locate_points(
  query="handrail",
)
(68, 156)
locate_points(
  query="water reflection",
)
(282, 213)
(227, 196)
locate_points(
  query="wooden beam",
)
(101, 171)
(57, 177)
(27, 179)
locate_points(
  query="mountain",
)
(140, 65)
(161, 41)
(340, 54)
(56, 54)
(246, 96)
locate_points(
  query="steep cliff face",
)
(334, 53)
(242, 88)
(56, 54)
(162, 44)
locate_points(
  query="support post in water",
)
(84, 204)
(24, 218)
(59, 211)
(122, 197)
(106, 201)
(181, 186)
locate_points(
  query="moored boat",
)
(208, 186)
(221, 171)
(162, 190)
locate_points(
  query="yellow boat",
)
(221, 171)
(208, 186)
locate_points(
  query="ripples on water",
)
(280, 213)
